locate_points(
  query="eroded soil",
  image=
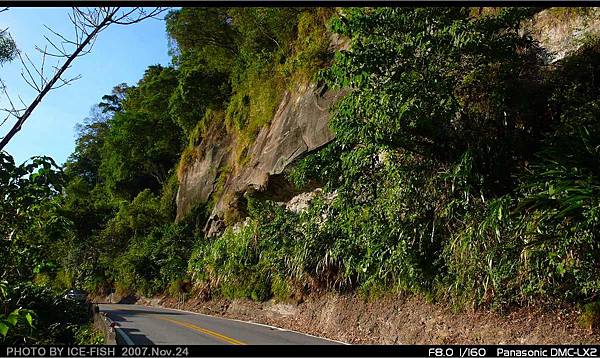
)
(398, 320)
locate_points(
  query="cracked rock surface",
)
(299, 126)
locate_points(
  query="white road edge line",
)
(251, 322)
(123, 335)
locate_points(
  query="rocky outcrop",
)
(562, 31)
(302, 201)
(199, 180)
(299, 126)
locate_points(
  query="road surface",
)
(152, 325)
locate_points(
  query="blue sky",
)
(121, 54)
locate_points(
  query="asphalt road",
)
(151, 325)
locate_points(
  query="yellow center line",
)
(204, 330)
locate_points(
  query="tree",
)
(199, 89)
(264, 29)
(111, 103)
(8, 48)
(205, 33)
(26, 207)
(143, 142)
(439, 82)
(85, 159)
(87, 23)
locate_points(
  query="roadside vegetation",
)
(105, 220)
(464, 169)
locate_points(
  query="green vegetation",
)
(464, 169)
(34, 232)
(240, 61)
(590, 316)
(8, 48)
(89, 335)
(106, 219)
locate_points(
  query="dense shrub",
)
(55, 319)
(153, 261)
(454, 173)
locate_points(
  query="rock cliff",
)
(299, 126)
(199, 180)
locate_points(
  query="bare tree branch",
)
(87, 24)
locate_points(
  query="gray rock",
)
(299, 126)
(562, 31)
(199, 180)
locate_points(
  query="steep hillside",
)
(299, 126)
(440, 146)
(301, 160)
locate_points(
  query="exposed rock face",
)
(199, 181)
(563, 31)
(299, 126)
(301, 202)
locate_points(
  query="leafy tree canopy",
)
(143, 143)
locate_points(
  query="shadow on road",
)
(136, 337)
(128, 312)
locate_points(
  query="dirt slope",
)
(399, 320)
